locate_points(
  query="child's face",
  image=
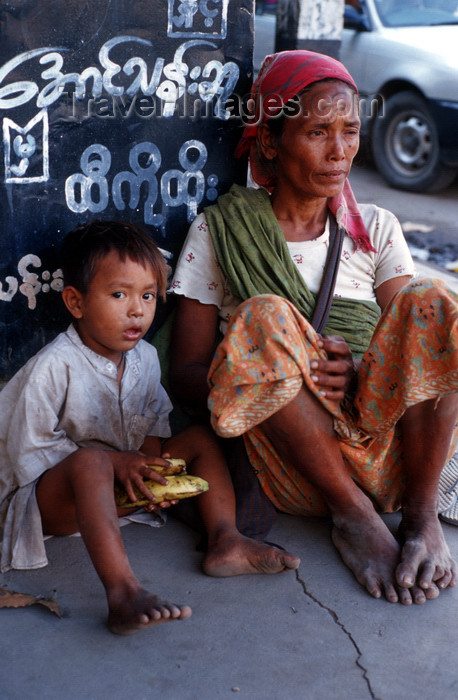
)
(119, 306)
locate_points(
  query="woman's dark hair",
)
(87, 244)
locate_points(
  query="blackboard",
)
(110, 109)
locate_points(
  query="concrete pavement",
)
(312, 636)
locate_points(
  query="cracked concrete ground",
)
(312, 636)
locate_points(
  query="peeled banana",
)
(180, 485)
(175, 466)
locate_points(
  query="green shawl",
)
(251, 248)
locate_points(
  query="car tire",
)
(405, 145)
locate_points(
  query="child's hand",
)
(131, 468)
(160, 461)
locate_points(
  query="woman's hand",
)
(131, 468)
(338, 373)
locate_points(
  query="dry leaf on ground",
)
(12, 599)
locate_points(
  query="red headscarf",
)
(283, 76)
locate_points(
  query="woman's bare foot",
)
(232, 554)
(425, 557)
(138, 609)
(371, 552)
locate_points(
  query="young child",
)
(89, 409)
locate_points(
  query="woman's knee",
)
(425, 287)
(424, 302)
(267, 314)
(268, 303)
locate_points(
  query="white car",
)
(403, 55)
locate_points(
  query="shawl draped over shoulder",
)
(251, 248)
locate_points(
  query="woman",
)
(325, 432)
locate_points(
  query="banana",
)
(176, 466)
(178, 487)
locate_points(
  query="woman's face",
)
(313, 156)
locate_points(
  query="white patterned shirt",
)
(67, 397)
(198, 274)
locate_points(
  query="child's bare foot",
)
(232, 554)
(139, 609)
(425, 557)
(371, 552)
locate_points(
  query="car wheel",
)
(405, 146)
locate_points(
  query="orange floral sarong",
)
(264, 360)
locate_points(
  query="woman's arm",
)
(193, 345)
(386, 291)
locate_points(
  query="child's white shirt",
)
(64, 398)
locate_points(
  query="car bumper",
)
(446, 117)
